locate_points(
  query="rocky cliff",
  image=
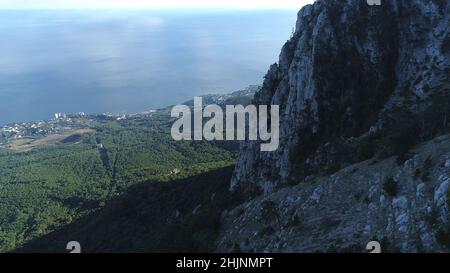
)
(347, 69)
(405, 208)
(354, 83)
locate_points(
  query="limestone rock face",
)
(345, 211)
(352, 74)
(347, 66)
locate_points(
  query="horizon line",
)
(153, 8)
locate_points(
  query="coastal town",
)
(62, 123)
(59, 124)
(36, 129)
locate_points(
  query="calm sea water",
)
(130, 61)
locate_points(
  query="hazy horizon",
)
(152, 4)
(130, 61)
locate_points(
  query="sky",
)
(195, 4)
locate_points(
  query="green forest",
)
(54, 184)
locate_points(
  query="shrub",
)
(402, 142)
(446, 44)
(329, 223)
(417, 174)
(428, 163)
(367, 148)
(267, 231)
(432, 217)
(333, 168)
(443, 237)
(443, 234)
(390, 187)
(269, 211)
(448, 198)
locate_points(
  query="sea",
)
(129, 61)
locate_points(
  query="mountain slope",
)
(404, 207)
(178, 216)
(353, 82)
(50, 181)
